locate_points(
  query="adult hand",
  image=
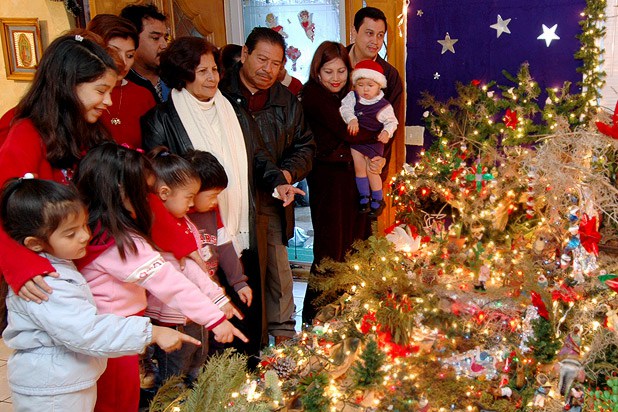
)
(36, 289)
(376, 164)
(246, 295)
(225, 332)
(286, 193)
(170, 339)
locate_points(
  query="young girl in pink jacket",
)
(121, 263)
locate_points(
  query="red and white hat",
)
(369, 69)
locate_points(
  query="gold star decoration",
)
(447, 44)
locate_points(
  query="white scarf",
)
(224, 139)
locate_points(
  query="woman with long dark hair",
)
(52, 126)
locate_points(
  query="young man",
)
(153, 37)
(253, 85)
(370, 28)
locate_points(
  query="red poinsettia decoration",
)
(538, 303)
(565, 294)
(588, 234)
(475, 82)
(510, 119)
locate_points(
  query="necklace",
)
(115, 121)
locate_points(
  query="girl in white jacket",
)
(61, 345)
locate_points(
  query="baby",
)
(366, 107)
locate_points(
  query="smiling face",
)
(334, 75)
(152, 41)
(95, 96)
(369, 38)
(126, 51)
(206, 80)
(260, 68)
(179, 200)
(367, 88)
(70, 238)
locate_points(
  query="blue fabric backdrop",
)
(479, 54)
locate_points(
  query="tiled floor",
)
(5, 394)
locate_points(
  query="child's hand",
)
(383, 137)
(246, 295)
(225, 332)
(353, 127)
(36, 289)
(196, 257)
(230, 310)
(170, 339)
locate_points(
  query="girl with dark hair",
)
(54, 124)
(334, 196)
(131, 101)
(177, 184)
(65, 337)
(121, 263)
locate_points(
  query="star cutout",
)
(419, 12)
(436, 76)
(549, 34)
(447, 43)
(501, 26)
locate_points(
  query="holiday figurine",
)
(484, 274)
(575, 400)
(540, 394)
(305, 18)
(271, 21)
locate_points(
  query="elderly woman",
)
(334, 196)
(131, 101)
(197, 116)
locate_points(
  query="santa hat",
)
(368, 69)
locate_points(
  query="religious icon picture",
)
(21, 47)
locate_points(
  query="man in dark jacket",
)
(370, 27)
(253, 84)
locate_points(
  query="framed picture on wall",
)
(21, 47)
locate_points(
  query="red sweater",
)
(23, 152)
(130, 103)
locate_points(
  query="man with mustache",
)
(252, 84)
(370, 29)
(153, 37)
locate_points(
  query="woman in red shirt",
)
(53, 125)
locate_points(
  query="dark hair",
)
(181, 58)
(105, 174)
(370, 13)
(52, 103)
(36, 207)
(229, 55)
(210, 171)
(136, 13)
(171, 169)
(110, 26)
(327, 51)
(264, 34)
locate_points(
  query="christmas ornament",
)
(588, 234)
(501, 26)
(611, 131)
(479, 177)
(436, 76)
(538, 303)
(419, 12)
(293, 54)
(549, 34)
(305, 18)
(271, 21)
(510, 119)
(447, 44)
